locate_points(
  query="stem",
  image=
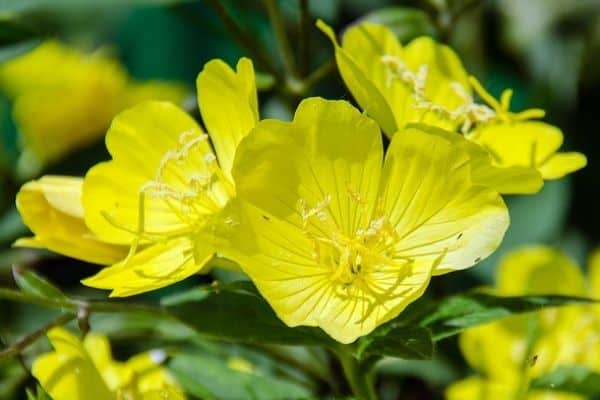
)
(358, 375)
(318, 74)
(22, 344)
(243, 38)
(304, 37)
(282, 37)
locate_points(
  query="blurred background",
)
(546, 50)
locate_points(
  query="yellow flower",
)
(164, 193)
(51, 208)
(425, 82)
(64, 99)
(85, 370)
(509, 353)
(335, 237)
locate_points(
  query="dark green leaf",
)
(237, 313)
(15, 50)
(408, 342)
(406, 22)
(14, 6)
(456, 313)
(572, 378)
(209, 377)
(33, 284)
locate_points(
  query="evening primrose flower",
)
(334, 236)
(164, 194)
(51, 208)
(64, 99)
(425, 82)
(85, 370)
(509, 353)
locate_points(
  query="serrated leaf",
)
(236, 312)
(407, 342)
(406, 22)
(30, 282)
(573, 378)
(456, 313)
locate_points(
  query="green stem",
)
(282, 38)
(304, 37)
(244, 39)
(25, 342)
(359, 376)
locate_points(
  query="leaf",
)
(456, 313)
(236, 312)
(406, 22)
(209, 377)
(407, 342)
(12, 6)
(9, 52)
(29, 282)
(573, 378)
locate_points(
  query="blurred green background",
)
(547, 50)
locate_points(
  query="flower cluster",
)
(509, 354)
(335, 230)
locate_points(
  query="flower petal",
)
(429, 197)
(475, 388)
(362, 83)
(329, 156)
(51, 208)
(364, 62)
(157, 266)
(228, 104)
(157, 150)
(539, 270)
(561, 164)
(68, 373)
(505, 180)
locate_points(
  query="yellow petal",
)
(539, 270)
(530, 144)
(361, 79)
(330, 155)
(594, 273)
(151, 377)
(562, 164)
(475, 388)
(157, 266)
(374, 66)
(51, 208)
(157, 151)
(434, 207)
(294, 236)
(228, 104)
(505, 180)
(68, 373)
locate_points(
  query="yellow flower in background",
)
(337, 238)
(51, 207)
(65, 99)
(507, 354)
(425, 82)
(85, 370)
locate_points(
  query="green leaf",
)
(209, 377)
(456, 313)
(406, 22)
(572, 378)
(33, 284)
(236, 312)
(14, 6)
(407, 342)
(9, 52)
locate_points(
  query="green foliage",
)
(570, 378)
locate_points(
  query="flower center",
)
(352, 259)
